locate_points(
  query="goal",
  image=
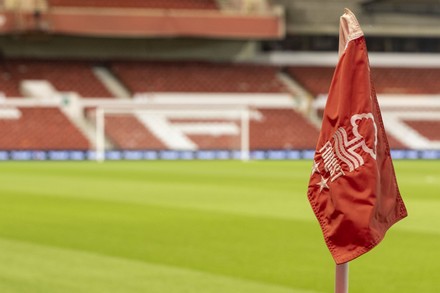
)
(177, 129)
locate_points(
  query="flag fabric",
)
(353, 189)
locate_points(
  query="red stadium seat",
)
(283, 129)
(126, 132)
(386, 80)
(427, 128)
(41, 128)
(197, 77)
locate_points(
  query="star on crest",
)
(322, 184)
(315, 168)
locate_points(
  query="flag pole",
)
(341, 278)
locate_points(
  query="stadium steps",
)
(404, 126)
(42, 90)
(303, 98)
(299, 94)
(110, 81)
(315, 16)
(169, 136)
(80, 121)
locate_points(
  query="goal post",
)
(161, 125)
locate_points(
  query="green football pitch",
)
(197, 226)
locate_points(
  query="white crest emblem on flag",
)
(347, 151)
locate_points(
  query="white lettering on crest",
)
(331, 163)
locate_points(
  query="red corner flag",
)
(353, 189)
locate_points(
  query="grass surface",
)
(197, 227)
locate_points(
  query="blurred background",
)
(183, 79)
(168, 92)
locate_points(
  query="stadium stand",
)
(151, 4)
(283, 95)
(65, 76)
(190, 76)
(278, 129)
(40, 128)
